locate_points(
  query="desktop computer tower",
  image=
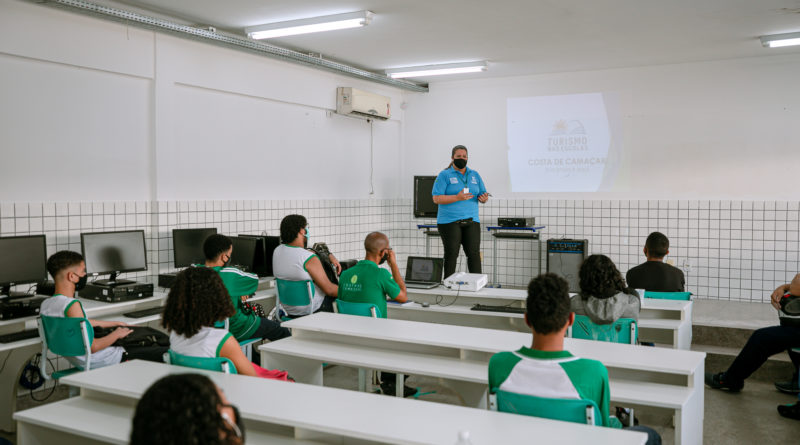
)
(117, 293)
(565, 257)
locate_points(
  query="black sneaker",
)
(717, 381)
(788, 387)
(790, 411)
(389, 389)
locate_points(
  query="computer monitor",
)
(23, 261)
(187, 245)
(113, 253)
(424, 207)
(244, 253)
(265, 247)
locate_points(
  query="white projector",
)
(472, 282)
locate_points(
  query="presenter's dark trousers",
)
(762, 344)
(457, 234)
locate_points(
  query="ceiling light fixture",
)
(779, 40)
(309, 25)
(437, 70)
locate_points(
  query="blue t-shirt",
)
(450, 182)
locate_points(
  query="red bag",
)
(272, 374)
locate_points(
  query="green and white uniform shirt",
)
(239, 284)
(206, 343)
(289, 263)
(367, 283)
(552, 374)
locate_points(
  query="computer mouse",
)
(426, 304)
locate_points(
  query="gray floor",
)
(749, 417)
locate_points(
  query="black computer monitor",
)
(244, 252)
(23, 261)
(424, 207)
(187, 245)
(265, 247)
(114, 252)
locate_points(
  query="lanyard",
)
(466, 177)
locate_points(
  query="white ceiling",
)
(516, 37)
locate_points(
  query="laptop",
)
(424, 273)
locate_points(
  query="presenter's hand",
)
(484, 197)
(461, 196)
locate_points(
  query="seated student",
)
(292, 260)
(367, 283)
(196, 301)
(244, 324)
(69, 273)
(604, 298)
(546, 369)
(186, 408)
(655, 275)
(762, 344)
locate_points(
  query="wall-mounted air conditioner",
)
(353, 102)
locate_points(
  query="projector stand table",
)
(429, 232)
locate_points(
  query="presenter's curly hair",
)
(548, 305)
(600, 278)
(198, 298)
(181, 409)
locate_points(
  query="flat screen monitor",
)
(262, 264)
(23, 261)
(114, 252)
(424, 207)
(244, 253)
(187, 245)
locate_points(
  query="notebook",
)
(423, 273)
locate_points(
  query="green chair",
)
(68, 337)
(246, 345)
(568, 410)
(361, 309)
(220, 364)
(683, 296)
(295, 293)
(623, 330)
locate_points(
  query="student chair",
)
(68, 337)
(361, 309)
(220, 364)
(568, 410)
(295, 293)
(246, 345)
(683, 296)
(623, 330)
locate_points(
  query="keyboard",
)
(508, 309)
(145, 312)
(17, 336)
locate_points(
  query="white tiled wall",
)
(729, 250)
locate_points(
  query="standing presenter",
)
(458, 190)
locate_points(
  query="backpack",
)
(789, 314)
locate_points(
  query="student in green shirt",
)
(244, 324)
(546, 369)
(366, 282)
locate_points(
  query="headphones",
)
(31, 377)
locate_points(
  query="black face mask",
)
(81, 282)
(384, 258)
(460, 163)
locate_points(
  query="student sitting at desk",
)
(546, 369)
(604, 298)
(293, 261)
(655, 275)
(367, 283)
(69, 274)
(197, 301)
(244, 323)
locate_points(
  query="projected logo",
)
(568, 136)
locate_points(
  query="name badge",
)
(453, 181)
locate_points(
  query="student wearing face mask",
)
(69, 274)
(244, 324)
(458, 190)
(367, 283)
(293, 261)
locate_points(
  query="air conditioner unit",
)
(353, 102)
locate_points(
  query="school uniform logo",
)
(354, 279)
(453, 181)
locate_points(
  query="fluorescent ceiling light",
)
(779, 40)
(437, 70)
(314, 24)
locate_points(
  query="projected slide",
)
(568, 143)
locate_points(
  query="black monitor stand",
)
(112, 281)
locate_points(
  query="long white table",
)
(660, 321)
(333, 415)
(460, 354)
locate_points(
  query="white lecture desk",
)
(660, 321)
(460, 354)
(333, 415)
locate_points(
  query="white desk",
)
(660, 321)
(341, 416)
(681, 370)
